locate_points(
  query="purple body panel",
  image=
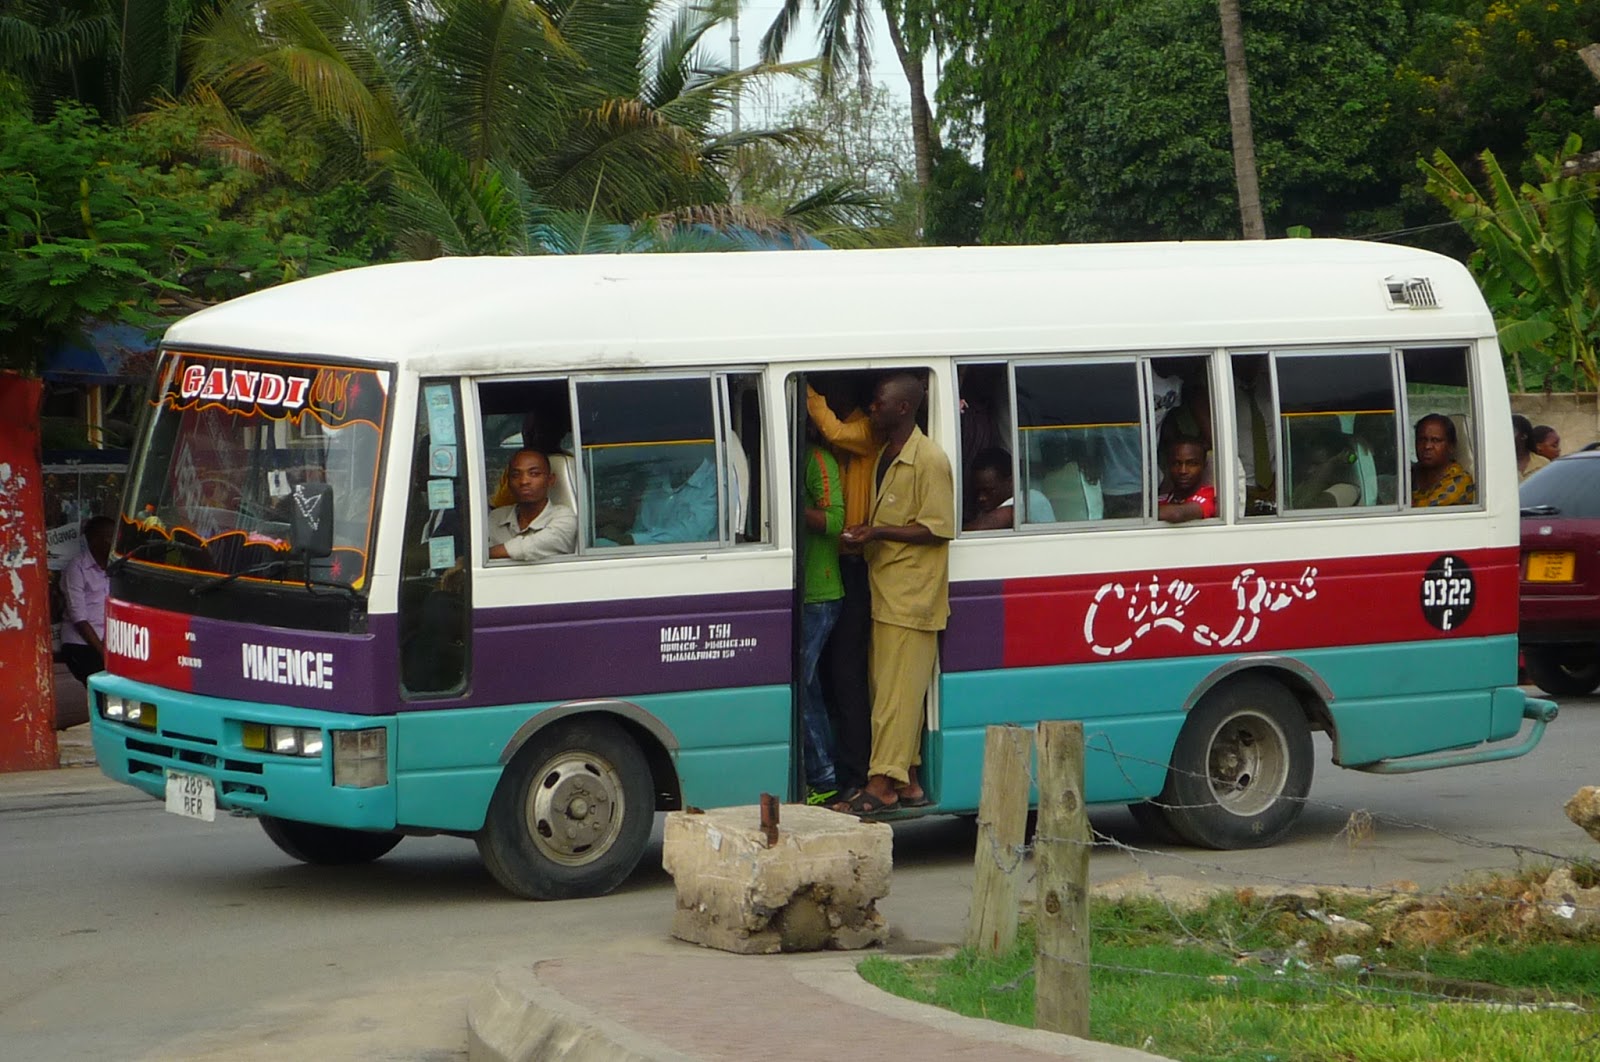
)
(975, 640)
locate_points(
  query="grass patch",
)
(1253, 978)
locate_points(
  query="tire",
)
(1564, 670)
(572, 813)
(327, 846)
(1242, 766)
(1152, 819)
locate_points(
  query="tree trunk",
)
(1244, 141)
(924, 137)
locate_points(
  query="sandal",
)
(862, 803)
(919, 801)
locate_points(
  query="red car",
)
(1560, 615)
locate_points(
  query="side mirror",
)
(311, 519)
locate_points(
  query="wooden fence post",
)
(1061, 861)
(1002, 824)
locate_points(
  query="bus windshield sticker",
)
(441, 415)
(441, 494)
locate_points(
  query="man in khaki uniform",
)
(907, 544)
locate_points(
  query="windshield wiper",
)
(1540, 510)
(221, 581)
(122, 559)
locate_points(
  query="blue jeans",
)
(816, 623)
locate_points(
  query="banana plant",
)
(1537, 258)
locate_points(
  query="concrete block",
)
(816, 889)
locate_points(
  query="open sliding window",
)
(1438, 387)
(669, 461)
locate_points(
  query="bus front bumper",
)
(339, 773)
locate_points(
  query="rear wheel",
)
(1242, 766)
(1564, 670)
(572, 813)
(1152, 819)
(327, 845)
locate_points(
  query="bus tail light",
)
(361, 758)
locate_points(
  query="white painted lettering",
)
(287, 667)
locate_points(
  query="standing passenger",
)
(824, 597)
(907, 545)
(849, 432)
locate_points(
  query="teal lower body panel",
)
(204, 735)
(727, 747)
(1387, 701)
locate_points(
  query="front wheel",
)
(1242, 766)
(1564, 671)
(572, 813)
(327, 845)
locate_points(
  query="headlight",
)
(127, 710)
(361, 758)
(303, 741)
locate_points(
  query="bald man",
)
(906, 541)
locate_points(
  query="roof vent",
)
(1414, 293)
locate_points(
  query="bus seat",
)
(1464, 454)
(561, 490)
(738, 486)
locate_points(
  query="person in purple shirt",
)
(86, 586)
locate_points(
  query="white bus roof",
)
(506, 314)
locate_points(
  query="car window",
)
(1570, 486)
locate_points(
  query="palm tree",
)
(844, 36)
(480, 120)
(1244, 141)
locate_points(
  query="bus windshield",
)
(231, 447)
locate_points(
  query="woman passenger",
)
(1438, 478)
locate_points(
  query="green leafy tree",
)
(1537, 258)
(851, 170)
(97, 226)
(1139, 145)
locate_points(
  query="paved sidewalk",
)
(679, 1003)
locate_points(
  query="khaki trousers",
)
(901, 665)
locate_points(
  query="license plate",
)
(191, 795)
(1546, 566)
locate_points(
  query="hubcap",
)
(1249, 763)
(575, 808)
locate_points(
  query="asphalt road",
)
(126, 932)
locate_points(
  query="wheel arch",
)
(1309, 689)
(653, 737)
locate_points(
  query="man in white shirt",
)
(992, 483)
(533, 527)
(86, 586)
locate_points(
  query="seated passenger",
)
(1326, 469)
(1189, 498)
(996, 498)
(674, 508)
(533, 527)
(1437, 478)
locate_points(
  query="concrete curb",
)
(517, 1017)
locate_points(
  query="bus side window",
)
(649, 454)
(1081, 438)
(1254, 417)
(1438, 380)
(434, 612)
(1337, 417)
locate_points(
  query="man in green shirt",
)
(824, 596)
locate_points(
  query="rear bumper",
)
(1536, 710)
